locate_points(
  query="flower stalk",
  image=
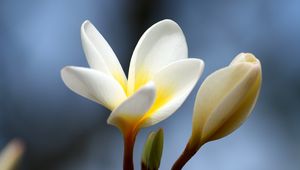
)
(186, 155)
(129, 140)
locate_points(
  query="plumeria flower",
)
(160, 76)
(224, 101)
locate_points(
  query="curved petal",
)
(246, 105)
(94, 85)
(218, 95)
(162, 44)
(133, 109)
(99, 54)
(173, 83)
(241, 113)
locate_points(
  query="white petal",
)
(94, 85)
(132, 110)
(173, 83)
(162, 44)
(99, 54)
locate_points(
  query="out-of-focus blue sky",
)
(64, 131)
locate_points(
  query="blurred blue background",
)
(64, 131)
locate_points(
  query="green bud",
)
(153, 150)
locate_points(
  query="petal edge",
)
(93, 85)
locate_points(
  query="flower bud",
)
(225, 99)
(153, 150)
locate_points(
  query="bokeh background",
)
(63, 131)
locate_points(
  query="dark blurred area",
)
(64, 131)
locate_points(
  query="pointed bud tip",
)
(86, 22)
(245, 58)
(85, 26)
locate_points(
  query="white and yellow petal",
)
(162, 44)
(173, 83)
(130, 112)
(94, 85)
(99, 54)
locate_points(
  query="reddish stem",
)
(186, 155)
(129, 140)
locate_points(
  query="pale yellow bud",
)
(225, 99)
